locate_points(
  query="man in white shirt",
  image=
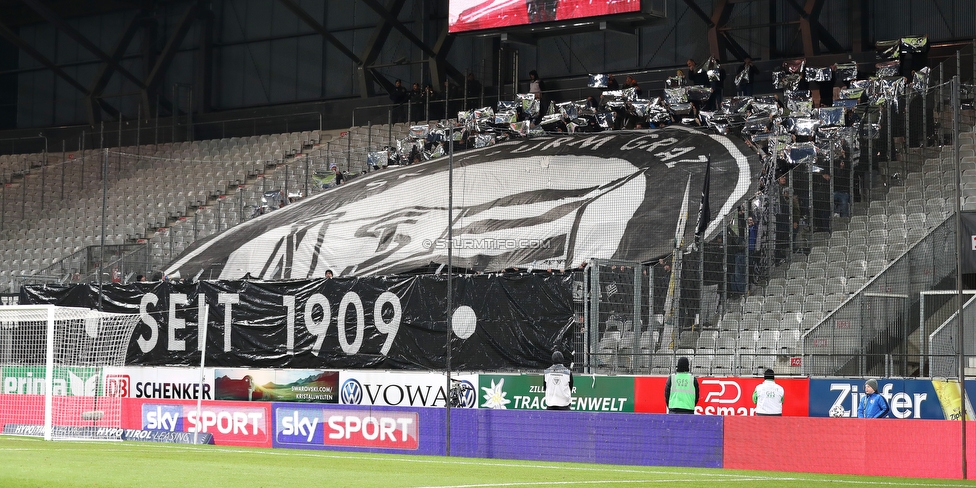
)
(558, 384)
(768, 396)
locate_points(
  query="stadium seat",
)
(788, 342)
(816, 285)
(837, 286)
(775, 293)
(725, 344)
(700, 370)
(721, 365)
(831, 302)
(707, 340)
(875, 267)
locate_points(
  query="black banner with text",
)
(499, 322)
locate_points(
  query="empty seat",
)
(721, 365)
(875, 267)
(725, 344)
(788, 341)
(832, 302)
(706, 340)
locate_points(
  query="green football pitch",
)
(29, 462)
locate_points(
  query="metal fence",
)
(821, 272)
(943, 343)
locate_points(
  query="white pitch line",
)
(580, 482)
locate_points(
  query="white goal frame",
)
(74, 338)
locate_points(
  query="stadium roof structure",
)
(544, 202)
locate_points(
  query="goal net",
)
(52, 371)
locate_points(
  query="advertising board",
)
(230, 423)
(350, 428)
(722, 395)
(908, 398)
(158, 382)
(468, 15)
(404, 389)
(525, 392)
(284, 385)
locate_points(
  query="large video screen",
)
(470, 15)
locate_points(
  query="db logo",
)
(729, 391)
(117, 385)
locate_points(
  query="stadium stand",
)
(165, 197)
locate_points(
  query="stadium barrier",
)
(867, 447)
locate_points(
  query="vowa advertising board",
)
(405, 389)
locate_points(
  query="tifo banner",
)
(541, 202)
(525, 392)
(406, 389)
(499, 322)
(908, 398)
(231, 423)
(722, 395)
(967, 241)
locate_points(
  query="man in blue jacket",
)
(872, 405)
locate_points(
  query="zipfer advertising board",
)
(908, 398)
(722, 395)
(525, 392)
(405, 389)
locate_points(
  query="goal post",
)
(52, 371)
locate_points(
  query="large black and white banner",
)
(547, 202)
(499, 322)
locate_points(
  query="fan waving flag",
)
(704, 212)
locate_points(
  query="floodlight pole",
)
(101, 251)
(202, 319)
(450, 273)
(959, 251)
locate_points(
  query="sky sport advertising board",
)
(469, 15)
(908, 398)
(307, 427)
(230, 423)
(525, 392)
(722, 395)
